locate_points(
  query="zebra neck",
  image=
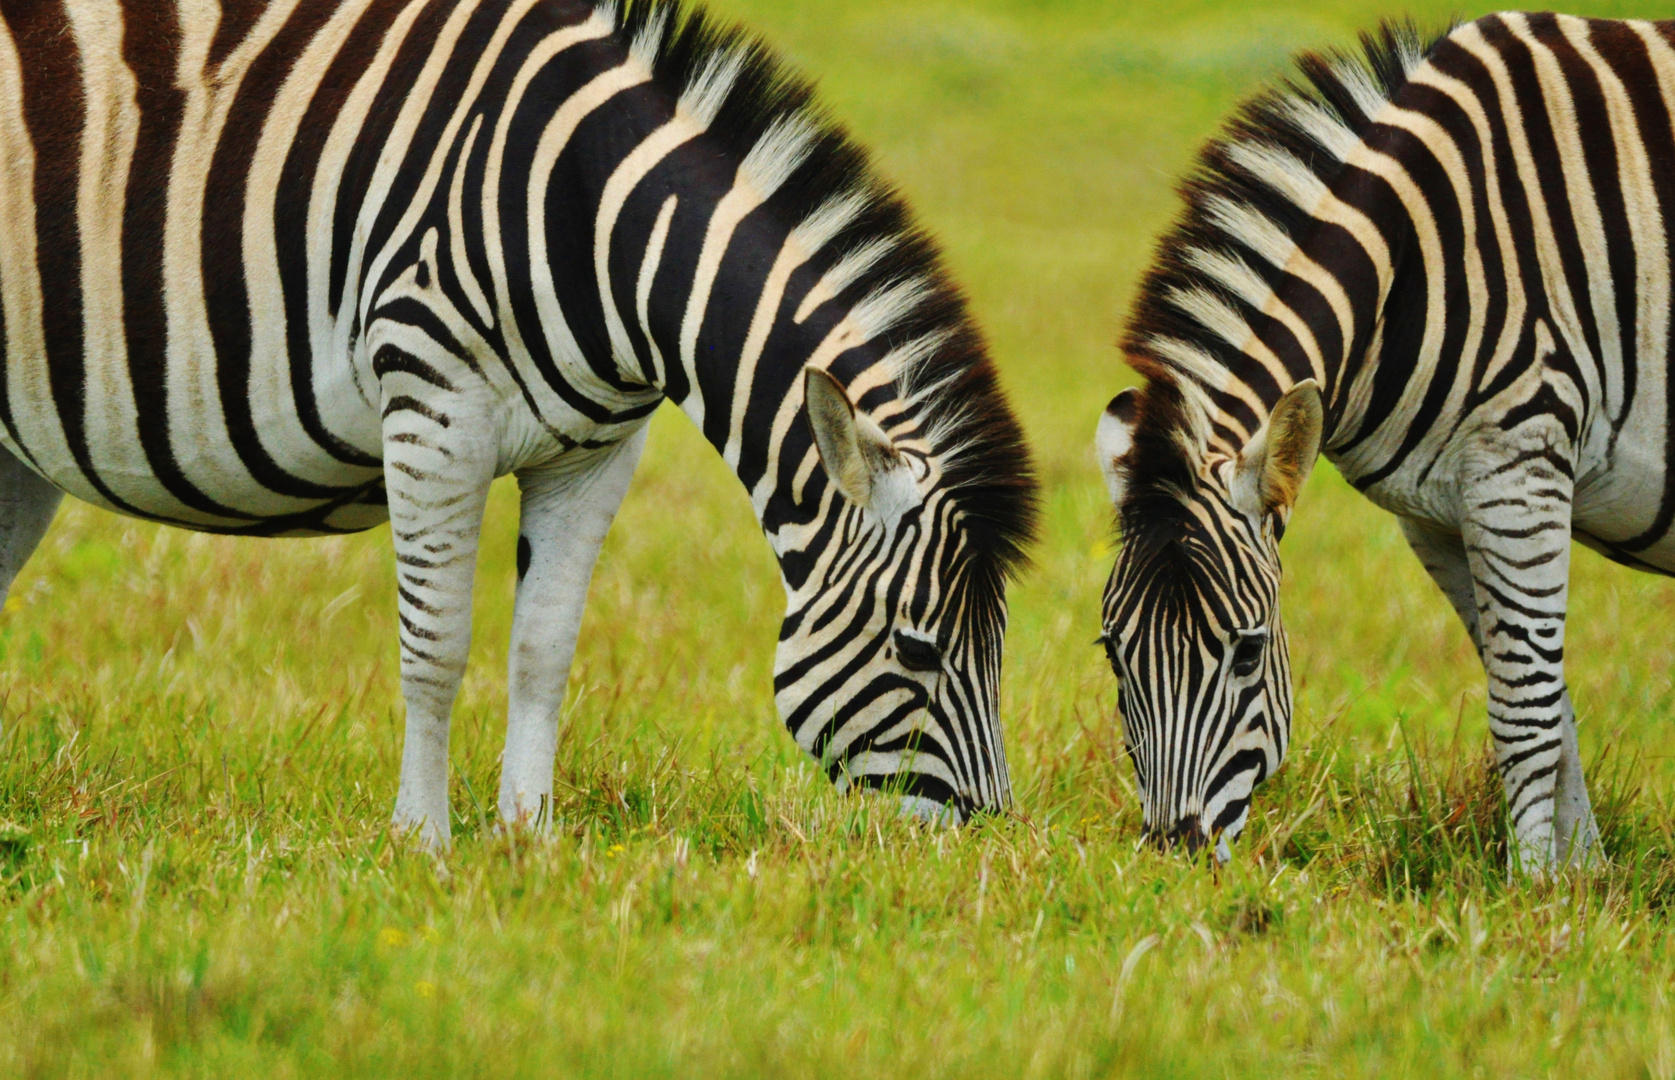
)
(748, 399)
(706, 236)
(708, 272)
(730, 277)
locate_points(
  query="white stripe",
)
(792, 255)
(642, 160)
(704, 95)
(648, 275)
(1650, 240)
(1440, 144)
(844, 273)
(1281, 171)
(1236, 275)
(1517, 299)
(398, 145)
(338, 385)
(838, 341)
(770, 162)
(1215, 316)
(1321, 124)
(109, 133)
(457, 254)
(1393, 428)
(1601, 290)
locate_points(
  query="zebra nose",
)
(1187, 833)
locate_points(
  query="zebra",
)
(276, 267)
(1446, 264)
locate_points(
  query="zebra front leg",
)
(438, 464)
(1443, 554)
(568, 507)
(1516, 535)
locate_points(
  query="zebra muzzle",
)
(1188, 833)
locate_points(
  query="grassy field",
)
(202, 736)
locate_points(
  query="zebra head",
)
(888, 666)
(1191, 614)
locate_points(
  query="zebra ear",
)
(858, 456)
(1275, 464)
(1115, 439)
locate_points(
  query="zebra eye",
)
(1110, 653)
(1247, 652)
(917, 654)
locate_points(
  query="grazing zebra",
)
(1448, 266)
(287, 267)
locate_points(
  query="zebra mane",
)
(1249, 201)
(942, 382)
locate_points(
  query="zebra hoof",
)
(419, 830)
(523, 814)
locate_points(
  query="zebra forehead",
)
(1187, 566)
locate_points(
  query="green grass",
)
(202, 736)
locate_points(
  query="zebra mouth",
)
(1188, 835)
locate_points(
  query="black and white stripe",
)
(1466, 245)
(301, 266)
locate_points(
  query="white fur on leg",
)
(568, 507)
(1575, 832)
(421, 805)
(438, 464)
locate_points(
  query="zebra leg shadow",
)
(27, 506)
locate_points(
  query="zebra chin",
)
(925, 797)
(1226, 812)
(1190, 836)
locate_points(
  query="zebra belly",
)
(195, 476)
(1620, 508)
